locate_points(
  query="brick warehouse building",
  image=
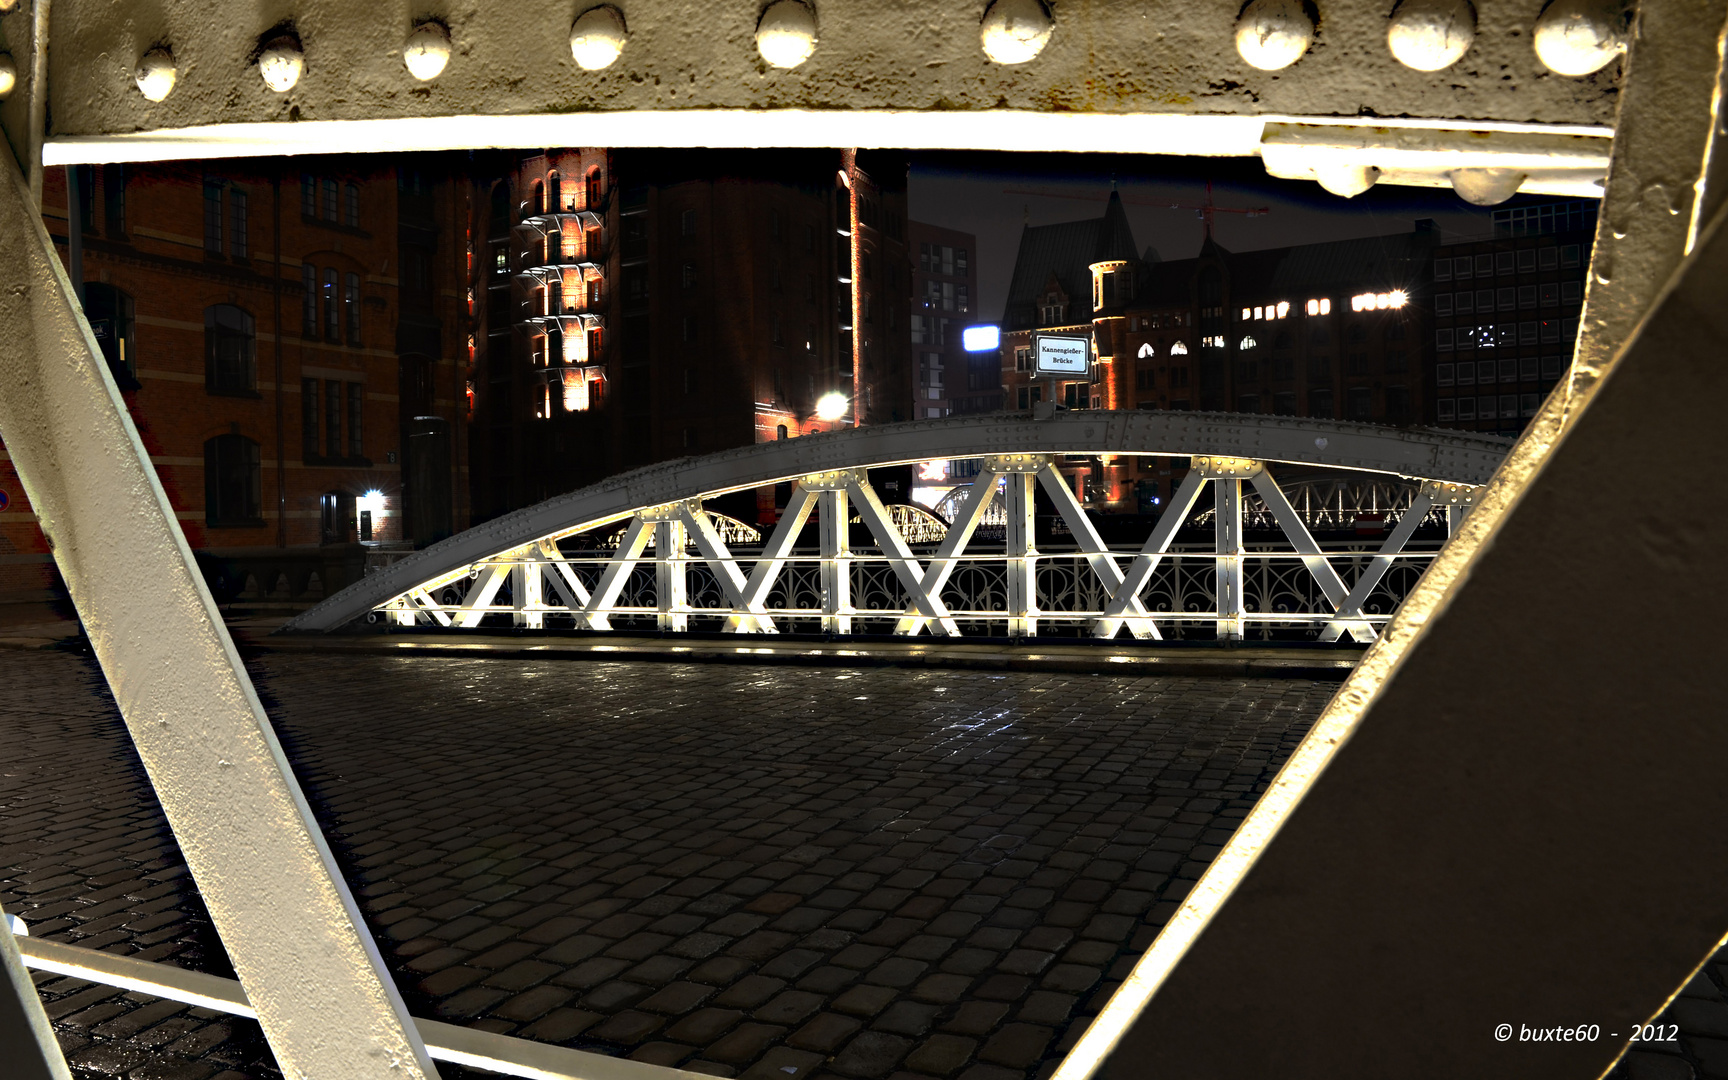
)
(1409, 328)
(642, 306)
(297, 419)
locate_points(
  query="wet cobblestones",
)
(770, 873)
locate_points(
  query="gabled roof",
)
(1064, 250)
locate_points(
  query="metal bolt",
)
(156, 74)
(426, 51)
(1429, 35)
(597, 37)
(1014, 31)
(8, 76)
(1580, 37)
(1485, 187)
(280, 63)
(1346, 180)
(1273, 34)
(786, 34)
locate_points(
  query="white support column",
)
(286, 918)
(1227, 475)
(671, 576)
(1021, 476)
(528, 593)
(836, 561)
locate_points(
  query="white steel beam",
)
(928, 603)
(700, 528)
(978, 498)
(1140, 571)
(1376, 569)
(32, 1051)
(458, 1045)
(617, 573)
(1091, 545)
(286, 918)
(1022, 551)
(1290, 522)
(835, 528)
(773, 559)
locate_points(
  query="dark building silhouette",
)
(1403, 329)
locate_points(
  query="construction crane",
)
(1204, 210)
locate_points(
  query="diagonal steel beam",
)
(927, 602)
(773, 557)
(959, 534)
(32, 1051)
(1140, 571)
(1303, 541)
(1529, 845)
(286, 917)
(1376, 569)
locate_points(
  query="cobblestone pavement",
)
(771, 873)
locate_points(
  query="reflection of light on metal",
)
(980, 338)
(831, 406)
(933, 470)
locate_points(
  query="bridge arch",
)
(519, 552)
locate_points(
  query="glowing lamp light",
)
(372, 502)
(831, 406)
(1399, 298)
(981, 338)
(936, 471)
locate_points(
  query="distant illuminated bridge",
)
(641, 551)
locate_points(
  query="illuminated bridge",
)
(642, 551)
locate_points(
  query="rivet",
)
(1429, 35)
(157, 74)
(786, 33)
(598, 37)
(1014, 31)
(1273, 34)
(1486, 187)
(427, 51)
(8, 76)
(1579, 37)
(280, 63)
(1346, 180)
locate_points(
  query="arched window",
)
(229, 350)
(554, 192)
(232, 482)
(555, 297)
(537, 200)
(1178, 349)
(780, 432)
(591, 197)
(351, 205)
(110, 313)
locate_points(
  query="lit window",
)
(1247, 343)
(1259, 313)
(1283, 308)
(1313, 307)
(1325, 306)
(1245, 315)
(1178, 349)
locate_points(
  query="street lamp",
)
(831, 406)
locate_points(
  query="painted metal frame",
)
(209, 747)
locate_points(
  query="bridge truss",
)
(671, 568)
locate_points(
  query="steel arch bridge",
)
(641, 550)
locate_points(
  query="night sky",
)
(968, 191)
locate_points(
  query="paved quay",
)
(774, 873)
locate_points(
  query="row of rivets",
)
(1571, 37)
